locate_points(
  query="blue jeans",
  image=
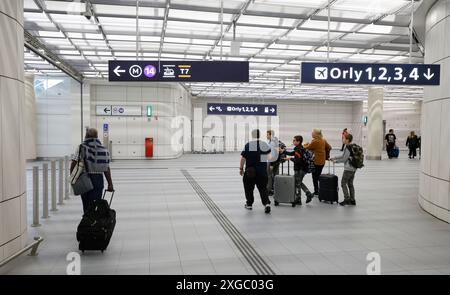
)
(94, 194)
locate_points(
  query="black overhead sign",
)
(178, 71)
(242, 109)
(379, 74)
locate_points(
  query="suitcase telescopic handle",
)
(329, 167)
(282, 166)
(112, 196)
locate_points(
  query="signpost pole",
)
(411, 27)
(328, 35)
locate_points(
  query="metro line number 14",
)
(398, 74)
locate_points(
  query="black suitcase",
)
(329, 186)
(97, 226)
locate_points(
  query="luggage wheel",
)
(276, 203)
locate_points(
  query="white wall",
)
(128, 133)
(58, 115)
(300, 117)
(403, 117)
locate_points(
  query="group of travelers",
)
(413, 142)
(260, 163)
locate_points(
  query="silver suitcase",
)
(284, 188)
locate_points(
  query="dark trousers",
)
(299, 185)
(347, 185)
(343, 146)
(389, 149)
(412, 151)
(249, 186)
(315, 176)
(94, 194)
(273, 170)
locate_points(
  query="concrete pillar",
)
(13, 214)
(375, 123)
(434, 189)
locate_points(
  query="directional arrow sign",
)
(241, 109)
(428, 74)
(103, 110)
(369, 74)
(178, 71)
(117, 71)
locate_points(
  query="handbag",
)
(79, 178)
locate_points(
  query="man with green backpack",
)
(353, 159)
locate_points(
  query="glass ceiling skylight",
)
(274, 35)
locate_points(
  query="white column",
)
(30, 121)
(375, 123)
(434, 191)
(13, 222)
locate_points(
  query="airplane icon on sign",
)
(321, 73)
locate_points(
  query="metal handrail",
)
(33, 246)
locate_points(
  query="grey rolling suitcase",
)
(284, 188)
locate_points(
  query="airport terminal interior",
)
(164, 95)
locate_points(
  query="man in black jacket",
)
(300, 169)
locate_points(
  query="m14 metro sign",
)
(378, 74)
(178, 71)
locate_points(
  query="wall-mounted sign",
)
(377, 74)
(149, 111)
(126, 110)
(105, 130)
(109, 110)
(103, 110)
(242, 109)
(178, 71)
(365, 120)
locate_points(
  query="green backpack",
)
(356, 155)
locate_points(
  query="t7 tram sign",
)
(380, 74)
(178, 71)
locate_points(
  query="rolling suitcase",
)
(97, 225)
(328, 186)
(284, 188)
(395, 152)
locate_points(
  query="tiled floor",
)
(164, 227)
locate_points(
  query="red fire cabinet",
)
(149, 147)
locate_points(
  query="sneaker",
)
(343, 203)
(248, 207)
(309, 198)
(267, 209)
(298, 201)
(353, 203)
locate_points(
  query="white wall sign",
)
(126, 110)
(103, 110)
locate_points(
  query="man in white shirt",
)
(273, 166)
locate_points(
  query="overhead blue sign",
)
(379, 74)
(242, 109)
